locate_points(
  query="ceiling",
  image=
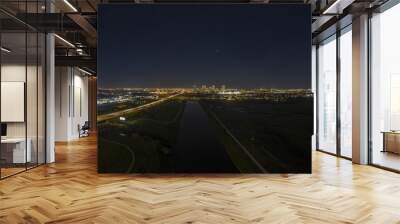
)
(75, 21)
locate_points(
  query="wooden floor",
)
(5, 172)
(387, 159)
(70, 191)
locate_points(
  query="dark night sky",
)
(241, 46)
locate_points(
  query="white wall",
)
(71, 103)
(33, 127)
(17, 72)
(62, 82)
(14, 72)
(80, 112)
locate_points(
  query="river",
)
(198, 149)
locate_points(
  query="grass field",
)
(145, 137)
(278, 135)
(274, 136)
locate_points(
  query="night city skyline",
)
(204, 89)
(195, 45)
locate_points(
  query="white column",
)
(50, 100)
(360, 90)
(50, 92)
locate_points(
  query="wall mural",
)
(200, 88)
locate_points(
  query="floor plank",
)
(70, 191)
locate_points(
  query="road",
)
(134, 109)
(254, 160)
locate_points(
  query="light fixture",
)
(64, 40)
(329, 9)
(84, 71)
(5, 50)
(79, 51)
(70, 5)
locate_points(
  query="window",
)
(385, 89)
(22, 93)
(314, 90)
(327, 95)
(346, 93)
